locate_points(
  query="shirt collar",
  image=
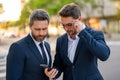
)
(36, 42)
(70, 39)
(84, 26)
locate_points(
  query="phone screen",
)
(45, 66)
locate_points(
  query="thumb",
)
(46, 70)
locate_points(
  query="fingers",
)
(78, 25)
(46, 70)
(52, 73)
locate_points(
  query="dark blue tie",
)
(43, 53)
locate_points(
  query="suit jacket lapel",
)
(48, 50)
(66, 49)
(34, 48)
(77, 50)
(78, 46)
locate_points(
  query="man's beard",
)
(39, 38)
(73, 35)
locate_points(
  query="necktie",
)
(43, 53)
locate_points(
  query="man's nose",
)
(41, 32)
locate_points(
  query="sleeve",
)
(15, 62)
(95, 43)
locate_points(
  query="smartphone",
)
(45, 66)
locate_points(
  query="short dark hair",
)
(38, 14)
(71, 9)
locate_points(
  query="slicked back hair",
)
(38, 14)
(70, 10)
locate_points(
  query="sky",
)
(12, 10)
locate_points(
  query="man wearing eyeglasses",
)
(78, 50)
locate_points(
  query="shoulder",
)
(93, 32)
(20, 43)
(62, 37)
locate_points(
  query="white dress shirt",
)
(37, 44)
(72, 45)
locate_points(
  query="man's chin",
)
(40, 39)
(72, 34)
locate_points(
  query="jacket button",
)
(82, 36)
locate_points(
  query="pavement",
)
(112, 37)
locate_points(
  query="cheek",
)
(68, 29)
(35, 33)
(45, 32)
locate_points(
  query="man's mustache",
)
(42, 36)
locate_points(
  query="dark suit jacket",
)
(24, 59)
(91, 47)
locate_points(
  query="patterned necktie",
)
(43, 53)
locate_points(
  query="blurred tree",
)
(28, 8)
(52, 6)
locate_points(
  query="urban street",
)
(109, 69)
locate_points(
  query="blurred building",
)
(103, 17)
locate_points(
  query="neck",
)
(73, 37)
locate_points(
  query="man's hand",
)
(52, 73)
(78, 25)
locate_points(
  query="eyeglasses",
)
(67, 25)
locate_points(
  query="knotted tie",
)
(43, 53)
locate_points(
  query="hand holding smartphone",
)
(45, 66)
